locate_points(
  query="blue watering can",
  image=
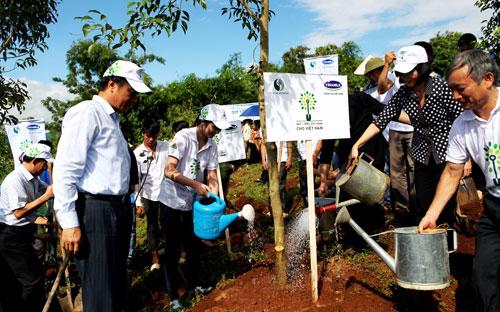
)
(209, 218)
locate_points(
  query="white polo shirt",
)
(151, 178)
(192, 164)
(19, 188)
(479, 139)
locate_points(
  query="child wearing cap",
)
(22, 193)
(191, 152)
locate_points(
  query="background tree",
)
(445, 49)
(491, 29)
(153, 17)
(23, 32)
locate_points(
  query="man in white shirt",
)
(22, 193)
(473, 77)
(91, 180)
(151, 158)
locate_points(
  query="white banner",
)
(322, 65)
(230, 143)
(306, 107)
(233, 111)
(23, 135)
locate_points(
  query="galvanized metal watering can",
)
(421, 260)
(209, 219)
(363, 181)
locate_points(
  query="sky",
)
(376, 26)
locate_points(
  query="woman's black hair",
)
(424, 71)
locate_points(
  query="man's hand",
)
(323, 189)
(427, 222)
(202, 189)
(467, 169)
(48, 192)
(71, 239)
(140, 212)
(265, 165)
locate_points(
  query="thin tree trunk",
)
(274, 193)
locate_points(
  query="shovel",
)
(53, 290)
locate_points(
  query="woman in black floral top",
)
(427, 103)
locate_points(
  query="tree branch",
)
(251, 12)
(13, 32)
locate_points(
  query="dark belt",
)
(103, 197)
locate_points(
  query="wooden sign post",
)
(312, 221)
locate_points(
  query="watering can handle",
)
(454, 239)
(367, 156)
(217, 198)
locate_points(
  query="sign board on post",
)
(322, 65)
(233, 111)
(306, 107)
(230, 145)
(23, 135)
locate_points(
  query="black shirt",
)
(432, 123)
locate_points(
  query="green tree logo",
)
(195, 167)
(492, 158)
(216, 139)
(204, 113)
(24, 144)
(308, 103)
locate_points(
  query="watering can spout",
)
(344, 217)
(226, 220)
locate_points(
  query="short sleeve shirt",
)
(192, 164)
(432, 122)
(479, 139)
(19, 188)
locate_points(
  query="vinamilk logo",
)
(307, 102)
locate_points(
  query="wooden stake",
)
(226, 231)
(312, 221)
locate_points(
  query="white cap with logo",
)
(409, 57)
(38, 150)
(130, 71)
(216, 114)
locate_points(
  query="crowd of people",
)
(436, 130)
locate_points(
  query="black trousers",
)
(21, 271)
(152, 209)
(105, 228)
(426, 181)
(178, 231)
(486, 265)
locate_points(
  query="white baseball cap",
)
(216, 114)
(38, 150)
(130, 71)
(409, 57)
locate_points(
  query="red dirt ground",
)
(349, 286)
